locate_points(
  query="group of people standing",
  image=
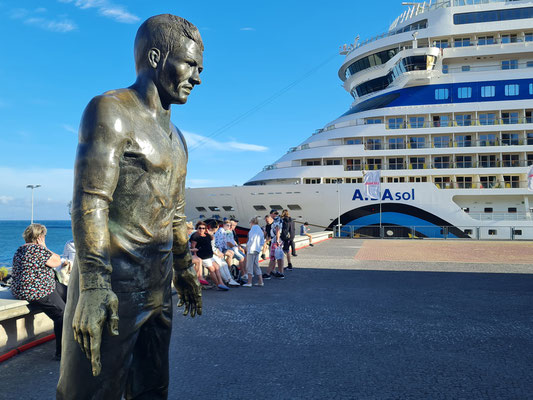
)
(216, 248)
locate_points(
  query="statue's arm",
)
(185, 278)
(101, 144)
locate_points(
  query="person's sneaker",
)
(232, 282)
(280, 276)
(222, 287)
(294, 255)
(267, 276)
(259, 284)
(203, 282)
(263, 257)
(311, 244)
(247, 285)
(277, 274)
(289, 267)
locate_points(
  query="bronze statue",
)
(129, 225)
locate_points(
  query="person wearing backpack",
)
(287, 236)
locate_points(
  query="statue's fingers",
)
(180, 302)
(87, 344)
(113, 317)
(96, 341)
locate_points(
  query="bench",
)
(18, 324)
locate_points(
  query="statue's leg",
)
(149, 376)
(76, 381)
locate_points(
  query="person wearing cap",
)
(276, 247)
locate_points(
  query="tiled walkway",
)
(489, 252)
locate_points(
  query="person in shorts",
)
(256, 240)
(276, 247)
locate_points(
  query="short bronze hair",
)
(32, 232)
(164, 32)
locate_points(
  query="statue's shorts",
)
(134, 363)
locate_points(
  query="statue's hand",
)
(189, 291)
(94, 308)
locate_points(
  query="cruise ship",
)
(442, 108)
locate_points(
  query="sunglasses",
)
(201, 227)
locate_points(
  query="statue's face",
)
(180, 73)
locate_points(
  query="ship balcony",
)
(399, 123)
(420, 164)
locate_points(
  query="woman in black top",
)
(201, 245)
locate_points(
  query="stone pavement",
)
(343, 328)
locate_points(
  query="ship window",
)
(529, 138)
(510, 139)
(442, 162)
(396, 179)
(260, 208)
(417, 142)
(441, 141)
(371, 121)
(293, 207)
(214, 208)
(509, 64)
(354, 141)
(487, 139)
(444, 68)
(396, 163)
(311, 181)
(463, 140)
(333, 162)
(201, 208)
(332, 180)
(511, 181)
(517, 232)
(276, 207)
(487, 161)
(417, 163)
(511, 90)
(461, 42)
(441, 94)
(487, 91)
(487, 182)
(463, 161)
(416, 122)
(441, 120)
(467, 231)
(354, 180)
(529, 159)
(464, 92)
(465, 68)
(353, 164)
(442, 182)
(510, 118)
(443, 44)
(418, 179)
(509, 38)
(312, 162)
(511, 210)
(531, 88)
(487, 119)
(484, 40)
(529, 64)
(373, 163)
(464, 182)
(373, 144)
(492, 15)
(228, 208)
(396, 143)
(395, 123)
(463, 119)
(493, 232)
(528, 37)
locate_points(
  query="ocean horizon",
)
(58, 233)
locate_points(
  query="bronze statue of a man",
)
(129, 225)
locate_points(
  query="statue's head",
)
(170, 49)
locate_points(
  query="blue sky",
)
(269, 81)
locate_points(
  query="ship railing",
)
(489, 121)
(474, 231)
(487, 68)
(435, 165)
(427, 144)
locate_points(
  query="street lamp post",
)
(32, 187)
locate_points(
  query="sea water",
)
(58, 233)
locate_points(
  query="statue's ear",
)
(154, 55)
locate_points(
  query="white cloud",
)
(61, 25)
(195, 141)
(69, 128)
(6, 199)
(247, 29)
(106, 9)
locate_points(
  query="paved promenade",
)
(348, 325)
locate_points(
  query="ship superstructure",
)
(443, 107)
